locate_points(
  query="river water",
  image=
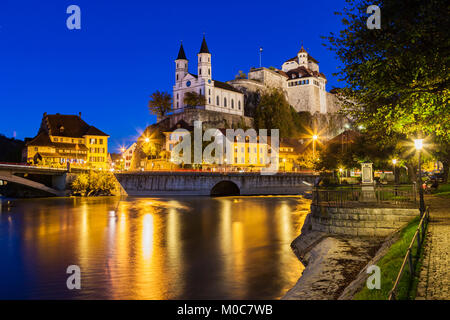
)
(151, 248)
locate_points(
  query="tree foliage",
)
(274, 112)
(193, 99)
(94, 184)
(397, 76)
(160, 103)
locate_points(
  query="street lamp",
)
(147, 140)
(394, 162)
(340, 175)
(314, 137)
(418, 144)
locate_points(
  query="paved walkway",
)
(434, 279)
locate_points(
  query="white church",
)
(219, 96)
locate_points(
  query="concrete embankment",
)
(337, 244)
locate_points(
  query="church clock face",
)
(188, 84)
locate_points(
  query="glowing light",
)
(418, 144)
(340, 169)
(315, 137)
(394, 161)
(360, 127)
(147, 140)
(122, 149)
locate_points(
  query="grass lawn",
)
(390, 266)
(443, 190)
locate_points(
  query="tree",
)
(274, 112)
(397, 76)
(160, 103)
(193, 99)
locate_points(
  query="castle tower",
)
(181, 66)
(302, 56)
(204, 62)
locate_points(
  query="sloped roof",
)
(42, 139)
(181, 54)
(93, 131)
(204, 47)
(226, 86)
(70, 126)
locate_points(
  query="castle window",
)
(200, 59)
(209, 91)
(199, 71)
(209, 100)
(239, 104)
(232, 104)
(218, 102)
(200, 91)
(224, 102)
(177, 65)
(177, 77)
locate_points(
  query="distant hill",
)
(10, 149)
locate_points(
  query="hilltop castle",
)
(299, 78)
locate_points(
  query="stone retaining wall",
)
(378, 222)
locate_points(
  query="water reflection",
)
(151, 248)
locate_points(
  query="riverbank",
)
(331, 263)
(337, 245)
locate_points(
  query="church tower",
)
(302, 56)
(181, 66)
(204, 62)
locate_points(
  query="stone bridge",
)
(212, 183)
(47, 181)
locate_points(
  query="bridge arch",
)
(225, 188)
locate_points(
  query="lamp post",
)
(418, 144)
(394, 162)
(340, 175)
(314, 137)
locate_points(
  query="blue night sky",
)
(125, 50)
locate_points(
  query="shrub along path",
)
(434, 277)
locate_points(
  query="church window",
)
(200, 59)
(177, 77)
(209, 100)
(239, 104)
(200, 71)
(209, 72)
(218, 102)
(209, 91)
(224, 102)
(232, 104)
(200, 91)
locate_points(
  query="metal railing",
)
(419, 236)
(404, 195)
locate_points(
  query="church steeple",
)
(181, 65)
(181, 54)
(204, 62)
(204, 47)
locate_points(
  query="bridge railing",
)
(398, 195)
